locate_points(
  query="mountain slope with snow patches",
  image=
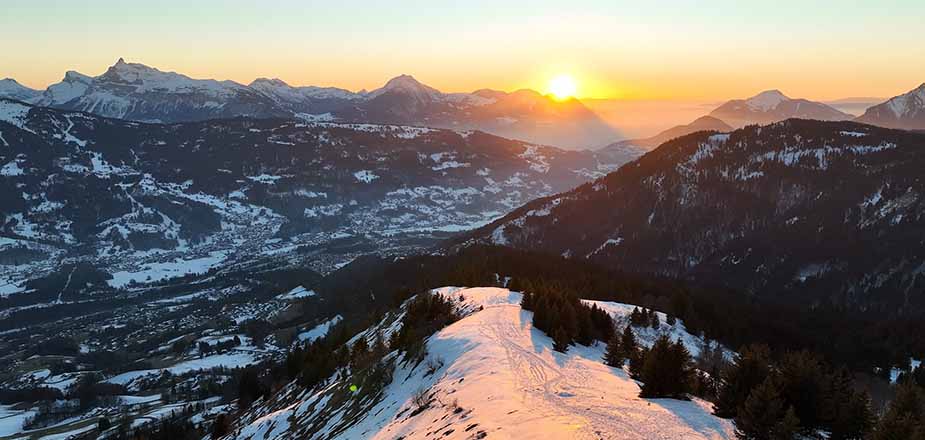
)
(906, 111)
(800, 210)
(488, 375)
(196, 192)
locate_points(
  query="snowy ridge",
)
(906, 111)
(767, 100)
(490, 374)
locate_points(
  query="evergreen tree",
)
(804, 384)
(847, 413)
(628, 341)
(637, 360)
(614, 356)
(788, 427)
(750, 369)
(359, 354)
(670, 320)
(905, 418)
(526, 302)
(221, 426)
(763, 416)
(636, 317)
(560, 340)
(667, 370)
(654, 321)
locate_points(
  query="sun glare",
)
(563, 87)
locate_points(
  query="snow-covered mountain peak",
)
(263, 82)
(772, 106)
(281, 90)
(148, 79)
(912, 101)
(75, 76)
(766, 100)
(9, 87)
(407, 84)
(906, 111)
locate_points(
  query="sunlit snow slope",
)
(500, 379)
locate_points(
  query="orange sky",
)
(615, 49)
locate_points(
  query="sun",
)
(563, 87)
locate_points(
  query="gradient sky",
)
(615, 49)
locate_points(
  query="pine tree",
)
(670, 319)
(750, 369)
(628, 341)
(614, 356)
(560, 340)
(585, 329)
(654, 321)
(637, 360)
(221, 426)
(905, 418)
(788, 427)
(526, 302)
(762, 416)
(667, 370)
(636, 317)
(847, 412)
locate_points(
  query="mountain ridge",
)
(766, 209)
(134, 91)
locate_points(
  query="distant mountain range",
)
(137, 92)
(773, 106)
(905, 112)
(810, 210)
(101, 188)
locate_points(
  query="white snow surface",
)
(320, 330)
(296, 293)
(509, 384)
(767, 100)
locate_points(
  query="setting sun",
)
(563, 87)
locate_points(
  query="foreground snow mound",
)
(491, 375)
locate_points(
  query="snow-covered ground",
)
(160, 271)
(11, 420)
(298, 292)
(500, 378)
(319, 330)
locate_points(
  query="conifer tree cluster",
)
(646, 318)
(620, 347)
(424, 315)
(798, 393)
(562, 316)
(905, 417)
(667, 370)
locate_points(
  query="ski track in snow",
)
(567, 387)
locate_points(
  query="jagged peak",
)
(73, 75)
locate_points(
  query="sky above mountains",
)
(614, 49)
